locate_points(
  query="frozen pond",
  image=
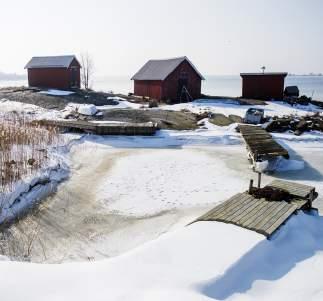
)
(119, 198)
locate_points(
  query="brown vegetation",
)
(23, 148)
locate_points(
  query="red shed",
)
(174, 79)
(263, 85)
(56, 72)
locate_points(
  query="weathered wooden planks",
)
(260, 215)
(129, 129)
(260, 143)
(295, 189)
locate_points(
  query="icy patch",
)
(216, 101)
(164, 180)
(55, 92)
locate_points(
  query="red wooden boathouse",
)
(56, 72)
(175, 79)
(265, 86)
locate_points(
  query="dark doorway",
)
(182, 88)
(74, 81)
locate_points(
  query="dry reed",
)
(23, 148)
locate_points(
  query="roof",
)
(63, 61)
(265, 74)
(161, 69)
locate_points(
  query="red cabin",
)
(174, 79)
(56, 72)
(265, 86)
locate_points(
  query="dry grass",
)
(23, 148)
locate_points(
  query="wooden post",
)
(259, 179)
(250, 186)
(311, 198)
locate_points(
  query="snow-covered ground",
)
(204, 261)
(138, 178)
(228, 107)
(7, 106)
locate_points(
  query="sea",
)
(216, 85)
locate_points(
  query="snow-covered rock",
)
(88, 110)
(83, 109)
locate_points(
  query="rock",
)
(220, 120)
(236, 118)
(88, 110)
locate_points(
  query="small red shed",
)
(265, 86)
(56, 72)
(174, 79)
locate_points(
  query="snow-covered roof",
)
(160, 69)
(62, 61)
(262, 74)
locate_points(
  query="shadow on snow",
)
(271, 259)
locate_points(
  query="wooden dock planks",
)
(260, 215)
(295, 189)
(260, 143)
(129, 129)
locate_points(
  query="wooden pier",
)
(261, 144)
(128, 129)
(261, 215)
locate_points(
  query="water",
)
(221, 85)
(213, 85)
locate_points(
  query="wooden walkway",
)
(261, 215)
(261, 144)
(129, 129)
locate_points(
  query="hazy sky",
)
(219, 36)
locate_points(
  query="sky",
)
(221, 37)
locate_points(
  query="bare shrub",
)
(87, 70)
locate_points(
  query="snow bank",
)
(30, 191)
(55, 92)
(204, 261)
(287, 267)
(169, 266)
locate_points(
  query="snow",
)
(122, 104)
(206, 260)
(55, 92)
(83, 109)
(283, 268)
(261, 166)
(169, 266)
(228, 107)
(164, 173)
(7, 106)
(287, 165)
(35, 187)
